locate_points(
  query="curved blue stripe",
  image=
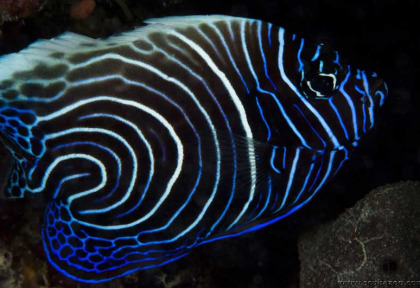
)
(266, 202)
(232, 61)
(303, 99)
(304, 183)
(65, 179)
(291, 179)
(198, 77)
(337, 59)
(359, 90)
(318, 49)
(299, 53)
(269, 33)
(275, 201)
(180, 209)
(261, 225)
(284, 157)
(345, 158)
(382, 95)
(364, 117)
(317, 175)
(263, 57)
(372, 104)
(310, 125)
(254, 210)
(340, 119)
(273, 155)
(263, 118)
(351, 105)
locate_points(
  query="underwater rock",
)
(376, 240)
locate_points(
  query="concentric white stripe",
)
(60, 159)
(229, 53)
(161, 119)
(119, 138)
(146, 143)
(186, 89)
(240, 108)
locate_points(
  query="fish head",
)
(337, 103)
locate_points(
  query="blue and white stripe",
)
(185, 131)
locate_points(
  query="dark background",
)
(381, 36)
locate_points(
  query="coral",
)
(371, 243)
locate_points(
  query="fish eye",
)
(320, 79)
(322, 85)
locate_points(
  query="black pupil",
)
(323, 84)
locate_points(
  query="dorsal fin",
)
(42, 51)
(188, 20)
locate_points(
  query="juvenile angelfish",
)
(179, 133)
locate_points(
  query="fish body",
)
(179, 133)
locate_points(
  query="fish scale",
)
(185, 131)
